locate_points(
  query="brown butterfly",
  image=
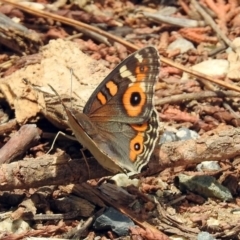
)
(119, 124)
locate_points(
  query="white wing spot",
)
(142, 86)
(124, 73)
(138, 57)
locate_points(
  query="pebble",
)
(123, 180)
(178, 135)
(186, 134)
(182, 44)
(211, 67)
(205, 236)
(114, 220)
(208, 165)
(206, 186)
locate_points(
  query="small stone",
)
(186, 134)
(208, 165)
(182, 44)
(17, 226)
(206, 186)
(211, 67)
(122, 180)
(168, 136)
(114, 220)
(205, 236)
(181, 134)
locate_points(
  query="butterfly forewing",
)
(126, 94)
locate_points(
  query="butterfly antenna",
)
(59, 98)
(71, 71)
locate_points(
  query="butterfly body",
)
(119, 124)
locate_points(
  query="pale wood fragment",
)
(48, 170)
(19, 143)
(220, 144)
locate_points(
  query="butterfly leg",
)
(63, 134)
(85, 159)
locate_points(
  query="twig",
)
(8, 126)
(59, 216)
(19, 143)
(195, 96)
(175, 222)
(78, 230)
(218, 49)
(210, 21)
(180, 22)
(96, 36)
(229, 108)
(48, 170)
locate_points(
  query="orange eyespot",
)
(134, 100)
(136, 147)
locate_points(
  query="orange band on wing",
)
(136, 147)
(112, 87)
(141, 72)
(134, 111)
(101, 98)
(140, 127)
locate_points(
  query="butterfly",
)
(119, 124)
